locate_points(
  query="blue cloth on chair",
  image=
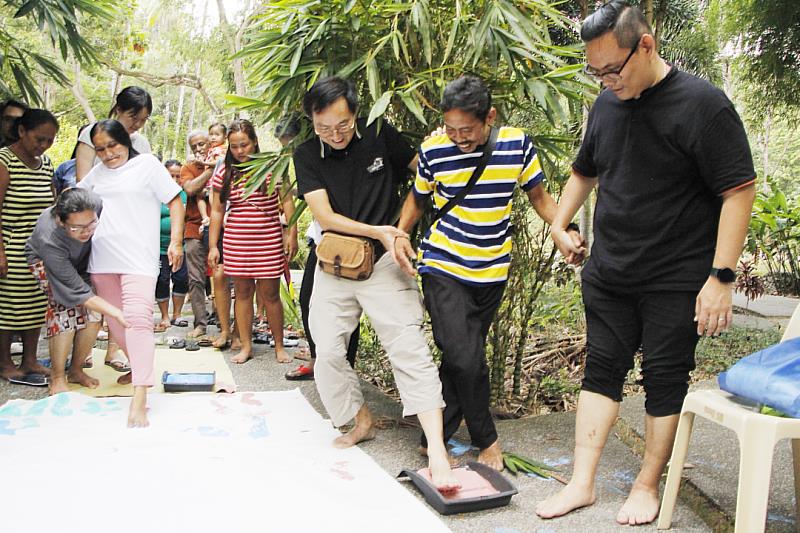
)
(771, 377)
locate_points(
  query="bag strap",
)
(476, 174)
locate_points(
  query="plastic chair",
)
(757, 435)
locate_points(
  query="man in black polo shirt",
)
(350, 174)
(675, 190)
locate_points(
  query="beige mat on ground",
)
(203, 360)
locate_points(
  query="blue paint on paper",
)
(38, 408)
(259, 429)
(60, 406)
(112, 405)
(208, 431)
(4, 429)
(10, 410)
(92, 407)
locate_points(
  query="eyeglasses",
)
(613, 75)
(91, 226)
(341, 128)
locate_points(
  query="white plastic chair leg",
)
(679, 452)
(755, 469)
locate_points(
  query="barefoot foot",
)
(566, 500)
(423, 451)
(125, 379)
(282, 356)
(58, 384)
(34, 368)
(363, 430)
(442, 475)
(492, 456)
(77, 375)
(137, 414)
(236, 344)
(242, 357)
(220, 342)
(641, 507)
(10, 371)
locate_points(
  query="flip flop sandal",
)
(88, 363)
(119, 366)
(261, 338)
(204, 341)
(287, 343)
(181, 323)
(33, 379)
(177, 344)
(159, 328)
(192, 346)
(301, 373)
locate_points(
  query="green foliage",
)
(715, 354)
(767, 33)
(775, 236)
(58, 20)
(401, 55)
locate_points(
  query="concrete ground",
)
(713, 452)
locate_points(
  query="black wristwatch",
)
(573, 227)
(725, 275)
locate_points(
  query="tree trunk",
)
(178, 119)
(647, 9)
(80, 96)
(165, 128)
(765, 149)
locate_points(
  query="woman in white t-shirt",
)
(132, 108)
(124, 263)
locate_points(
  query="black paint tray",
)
(448, 506)
(188, 381)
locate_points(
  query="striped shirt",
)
(472, 242)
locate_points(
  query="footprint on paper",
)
(247, 399)
(221, 409)
(92, 408)
(60, 406)
(38, 408)
(259, 429)
(340, 469)
(208, 431)
(5, 429)
(11, 410)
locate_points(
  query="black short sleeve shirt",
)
(662, 162)
(363, 180)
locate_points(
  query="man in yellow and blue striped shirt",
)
(464, 257)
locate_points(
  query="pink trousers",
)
(135, 295)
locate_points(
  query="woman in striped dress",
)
(26, 177)
(253, 244)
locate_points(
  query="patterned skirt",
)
(60, 319)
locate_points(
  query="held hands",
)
(713, 310)
(175, 255)
(213, 257)
(571, 245)
(387, 234)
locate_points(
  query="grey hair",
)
(75, 200)
(195, 133)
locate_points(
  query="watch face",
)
(726, 275)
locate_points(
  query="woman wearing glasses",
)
(58, 255)
(125, 249)
(26, 176)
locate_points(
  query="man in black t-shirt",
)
(350, 174)
(675, 181)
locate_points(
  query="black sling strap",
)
(476, 174)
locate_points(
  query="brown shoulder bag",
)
(346, 256)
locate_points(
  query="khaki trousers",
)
(392, 302)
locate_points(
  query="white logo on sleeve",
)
(376, 165)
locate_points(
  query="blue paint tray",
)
(447, 505)
(188, 381)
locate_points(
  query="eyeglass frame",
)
(336, 129)
(616, 73)
(91, 226)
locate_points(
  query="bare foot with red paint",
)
(641, 507)
(566, 500)
(492, 456)
(442, 475)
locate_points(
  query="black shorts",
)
(661, 323)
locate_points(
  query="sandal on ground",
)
(119, 366)
(204, 341)
(224, 346)
(192, 345)
(177, 344)
(301, 373)
(33, 379)
(88, 363)
(160, 327)
(179, 322)
(287, 343)
(261, 338)
(303, 354)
